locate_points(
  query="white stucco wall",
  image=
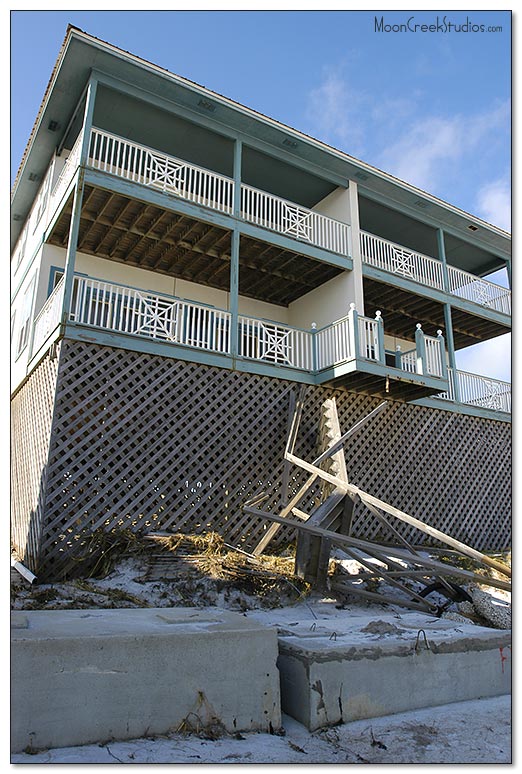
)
(325, 304)
(336, 205)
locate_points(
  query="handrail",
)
(285, 217)
(396, 259)
(141, 164)
(48, 318)
(479, 290)
(479, 391)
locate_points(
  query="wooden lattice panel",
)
(147, 443)
(31, 417)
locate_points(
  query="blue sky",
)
(431, 107)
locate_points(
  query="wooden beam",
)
(387, 508)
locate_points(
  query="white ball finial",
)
(378, 315)
(439, 333)
(314, 326)
(419, 326)
(352, 305)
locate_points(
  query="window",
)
(25, 317)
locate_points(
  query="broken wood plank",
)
(347, 588)
(402, 516)
(363, 545)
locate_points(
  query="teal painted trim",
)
(59, 207)
(234, 292)
(388, 278)
(274, 371)
(421, 217)
(380, 369)
(90, 100)
(462, 408)
(442, 256)
(106, 338)
(295, 245)
(148, 195)
(216, 127)
(238, 153)
(508, 272)
(70, 255)
(167, 201)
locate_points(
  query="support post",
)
(442, 345)
(380, 338)
(353, 329)
(356, 246)
(420, 346)
(74, 227)
(234, 294)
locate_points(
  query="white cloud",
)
(336, 112)
(494, 203)
(433, 147)
(489, 358)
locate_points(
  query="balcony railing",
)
(122, 309)
(480, 391)
(147, 166)
(396, 259)
(48, 318)
(478, 290)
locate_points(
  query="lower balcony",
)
(348, 353)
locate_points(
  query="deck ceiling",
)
(381, 387)
(126, 230)
(401, 311)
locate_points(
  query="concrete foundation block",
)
(332, 675)
(86, 676)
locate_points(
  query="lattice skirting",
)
(148, 443)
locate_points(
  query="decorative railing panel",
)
(140, 164)
(264, 209)
(158, 317)
(396, 259)
(275, 343)
(479, 290)
(480, 391)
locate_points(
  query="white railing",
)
(408, 360)
(275, 343)
(140, 164)
(480, 391)
(334, 344)
(368, 337)
(396, 259)
(434, 363)
(66, 175)
(478, 290)
(140, 313)
(264, 209)
(48, 318)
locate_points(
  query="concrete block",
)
(85, 676)
(356, 669)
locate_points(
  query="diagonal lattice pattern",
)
(144, 442)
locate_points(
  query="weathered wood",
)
(347, 588)
(364, 545)
(429, 530)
